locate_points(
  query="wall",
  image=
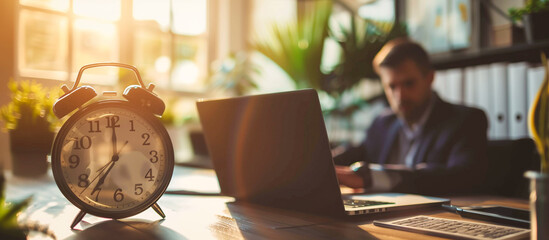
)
(7, 68)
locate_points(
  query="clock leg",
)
(77, 219)
(158, 210)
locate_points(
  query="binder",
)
(535, 77)
(454, 85)
(469, 93)
(439, 84)
(518, 105)
(483, 95)
(499, 114)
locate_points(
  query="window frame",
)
(126, 26)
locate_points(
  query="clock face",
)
(112, 160)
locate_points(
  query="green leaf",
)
(297, 47)
(30, 107)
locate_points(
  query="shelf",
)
(517, 53)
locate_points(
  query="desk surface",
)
(203, 217)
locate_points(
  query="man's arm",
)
(353, 158)
(349, 155)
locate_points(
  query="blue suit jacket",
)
(452, 146)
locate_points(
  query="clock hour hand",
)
(114, 148)
(114, 159)
(102, 179)
(109, 165)
(95, 178)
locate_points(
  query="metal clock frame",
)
(151, 201)
(63, 186)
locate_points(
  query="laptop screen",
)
(272, 149)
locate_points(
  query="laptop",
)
(273, 149)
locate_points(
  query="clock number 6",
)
(118, 196)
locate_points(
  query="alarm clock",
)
(112, 158)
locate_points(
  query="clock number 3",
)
(154, 156)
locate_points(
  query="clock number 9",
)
(118, 196)
(74, 161)
(83, 180)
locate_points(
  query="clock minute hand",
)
(102, 179)
(114, 159)
(99, 174)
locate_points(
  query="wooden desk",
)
(200, 217)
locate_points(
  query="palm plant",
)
(297, 47)
(360, 43)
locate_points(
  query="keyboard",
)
(352, 203)
(454, 228)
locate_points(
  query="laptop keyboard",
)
(455, 228)
(352, 203)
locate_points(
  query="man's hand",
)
(348, 177)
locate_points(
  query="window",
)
(165, 39)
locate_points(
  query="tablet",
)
(494, 213)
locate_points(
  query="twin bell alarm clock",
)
(112, 158)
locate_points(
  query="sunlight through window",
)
(100, 9)
(157, 11)
(189, 17)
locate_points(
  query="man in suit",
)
(423, 144)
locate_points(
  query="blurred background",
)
(218, 48)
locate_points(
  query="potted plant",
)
(234, 73)
(534, 15)
(539, 181)
(31, 125)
